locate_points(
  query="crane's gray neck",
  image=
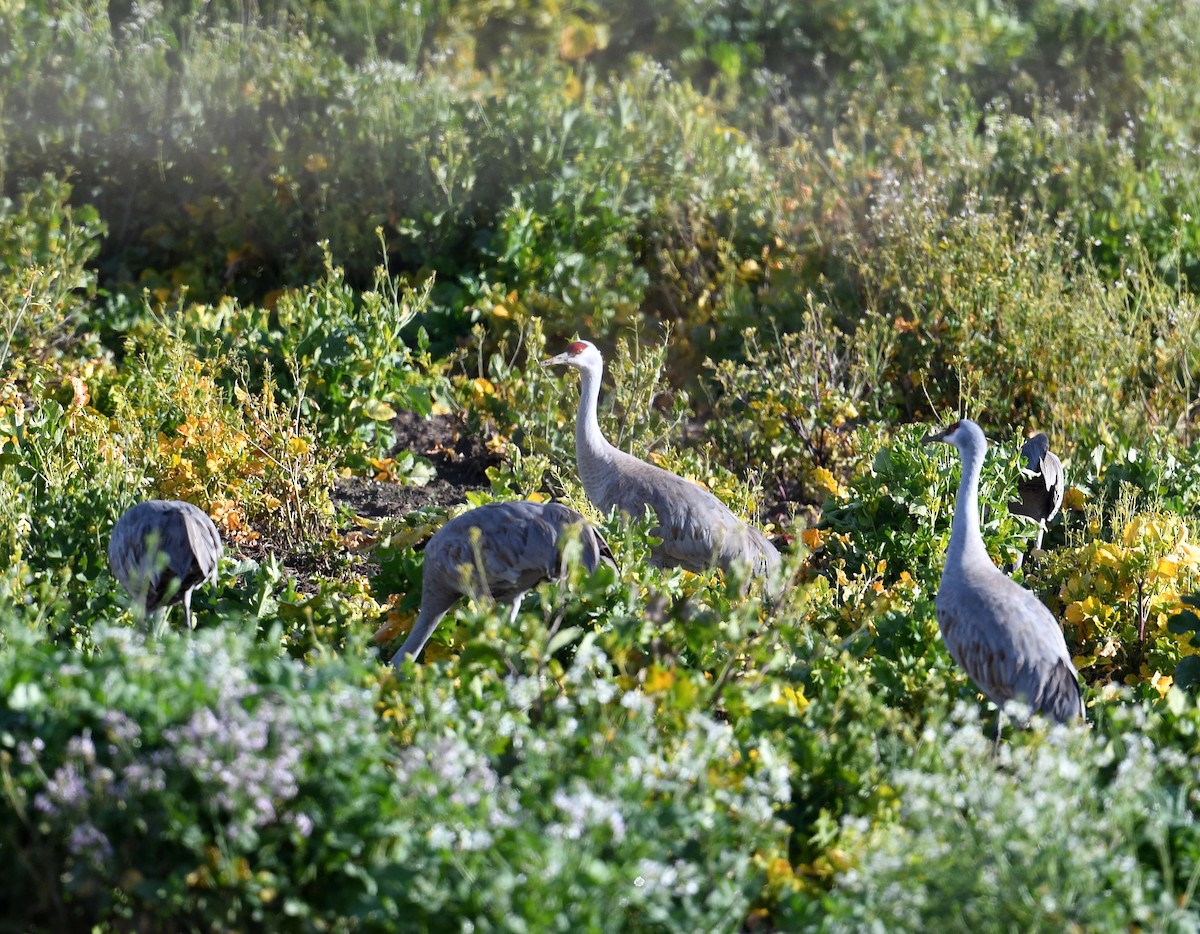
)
(966, 541)
(589, 442)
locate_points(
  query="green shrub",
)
(538, 826)
(1053, 832)
(46, 280)
(190, 784)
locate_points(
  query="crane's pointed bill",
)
(940, 435)
(556, 359)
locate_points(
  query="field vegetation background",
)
(297, 263)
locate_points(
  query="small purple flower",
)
(66, 789)
(303, 824)
(89, 843)
(29, 753)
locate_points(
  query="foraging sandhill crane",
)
(998, 632)
(1041, 486)
(501, 550)
(161, 550)
(698, 531)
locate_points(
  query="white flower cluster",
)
(1043, 836)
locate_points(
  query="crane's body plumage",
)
(1001, 634)
(698, 531)
(1042, 485)
(161, 550)
(501, 550)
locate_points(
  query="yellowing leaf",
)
(379, 411)
(813, 538)
(1162, 683)
(1110, 556)
(395, 624)
(824, 480)
(1166, 569)
(1151, 532)
(1188, 554)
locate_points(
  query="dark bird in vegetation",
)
(698, 531)
(501, 551)
(1001, 634)
(160, 551)
(1041, 487)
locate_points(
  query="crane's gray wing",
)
(162, 549)
(564, 520)
(1055, 480)
(502, 549)
(1042, 482)
(597, 551)
(204, 542)
(699, 531)
(1008, 642)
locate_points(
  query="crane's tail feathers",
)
(1062, 697)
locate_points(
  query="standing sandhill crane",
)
(1041, 487)
(997, 631)
(161, 550)
(697, 530)
(501, 550)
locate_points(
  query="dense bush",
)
(1061, 832)
(247, 247)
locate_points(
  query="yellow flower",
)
(792, 696)
(658, 679)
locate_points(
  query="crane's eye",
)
(577, 348)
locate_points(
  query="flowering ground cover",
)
(297, 264)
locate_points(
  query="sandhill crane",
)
(161, 550)
(996, 630)
(698, 531)
(500, 550)
(1041, 487)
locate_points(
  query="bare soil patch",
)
(461, 462)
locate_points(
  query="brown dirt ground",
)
(461, 462)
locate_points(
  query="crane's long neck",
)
(965, 538)
(432, 611)
(592, 451)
